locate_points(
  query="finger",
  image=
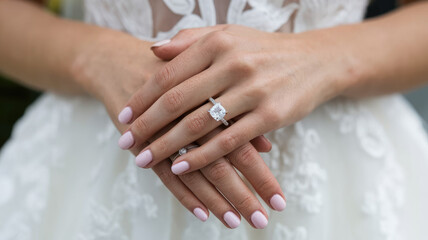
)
(231, 138)
(189, 129)
(249, 162)
(200, 188)
(174, 103)
(212, 198)
(181, 41)
(191, 62)
(222, 174)
(261, 144)
(227, 181)
(180, 191)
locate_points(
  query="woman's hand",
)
(115, 66)
(270, 80)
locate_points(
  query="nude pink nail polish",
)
(277, 202)
(200, 214)
(259, 220)
(144, 158)
(126, 140)
(180, 167)
(161, 43)
(231, 219)
(125, 115)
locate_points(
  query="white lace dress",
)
(350, 170)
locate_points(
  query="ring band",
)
(183, 151)
(218, 112)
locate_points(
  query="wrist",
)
(104, 58)
(344, 68)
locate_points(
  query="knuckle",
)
(190, 178)
(185, 33)
(196, 123)
(221, 40)
(245, 158)
(140, 126)
(161, 145)
(230, 27)
(185, 199)
(203, 160)
(243, 64)
(138, 101)
(256, 93)
(163, 79)
(229, 142)
(166, 177)
(265, 183)
(270, 115)
(244, 202)
(218, 171)
(173, 100)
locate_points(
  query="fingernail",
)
(180, 167)
(161, 43)
(231, 219)
(126, 140)
(259, 220)
(144, 158)
(125, 115)
(277, 202)
(200, 214)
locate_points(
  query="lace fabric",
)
(350, 170)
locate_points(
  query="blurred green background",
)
(14, 99)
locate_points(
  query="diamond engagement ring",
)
(218, 112)
(183, 151)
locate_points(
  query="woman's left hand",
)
(267, 80)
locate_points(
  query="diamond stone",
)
(182, 151)
(217, 112)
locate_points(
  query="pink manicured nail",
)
(144, 158)
(126, 140)
(161, 43)
(277, 202)
(125, 115)
(259, 220)
(231, 219)
(200, 214)
(180, 167)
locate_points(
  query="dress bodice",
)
(161, 19)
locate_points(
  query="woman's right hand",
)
(111, 69)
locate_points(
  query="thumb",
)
(168, 49)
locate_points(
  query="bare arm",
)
(390, 52)
(41, 50)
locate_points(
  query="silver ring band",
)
(183, 151)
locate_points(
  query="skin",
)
(79, 59)
(270, 78)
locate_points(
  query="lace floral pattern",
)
(385, 198)
(136, 16)
(126, 199)
(293, 162)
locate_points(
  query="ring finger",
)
(189, 129)
(174, 103)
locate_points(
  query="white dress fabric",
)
(350, 170)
